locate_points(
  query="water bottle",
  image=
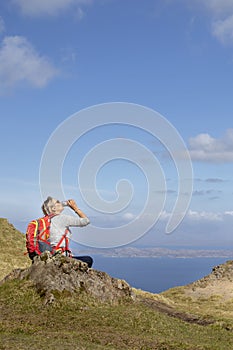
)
(64, 203)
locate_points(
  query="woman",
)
(60, 223)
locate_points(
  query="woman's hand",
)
(72, 204)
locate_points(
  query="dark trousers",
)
(87, 259)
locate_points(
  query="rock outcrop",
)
(53, 275)
(218, 283)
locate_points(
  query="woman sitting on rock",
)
(60, 224)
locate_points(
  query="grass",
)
(82, 323)
(12, 248)
(213, 307)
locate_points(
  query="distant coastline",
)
(131, 252)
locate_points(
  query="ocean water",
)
(157, 274)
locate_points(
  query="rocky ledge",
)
(53, 275)
(220, 273)
(217, 285)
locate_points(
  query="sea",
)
(156, 275)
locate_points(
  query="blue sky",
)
(175, 57)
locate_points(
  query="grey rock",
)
(52, 275)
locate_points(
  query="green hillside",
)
(84, 324)
(210, 298)
(193, 317)
(12, 248)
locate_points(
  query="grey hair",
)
(47, 206)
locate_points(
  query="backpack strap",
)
(65, 249)
(35, 233)
(41, 233)
(45, 228)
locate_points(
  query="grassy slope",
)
(12, 248)
(81, 323)
(215, 306)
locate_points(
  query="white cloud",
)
(19, 62)
(223, 30)
(204, 147)
(128, 216)
(193, 216)
(221, 12)
(204, 216)
(218, 7)
(164, 216)
(49, 7)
